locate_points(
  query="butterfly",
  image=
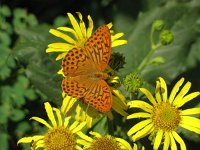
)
(84, 71)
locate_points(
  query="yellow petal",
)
(163, 88)
(60, 56)
(157, 92)
(182, 93)
(172, 142)
(85, 143)
(118, 106)
(30, 139)
(195, 122)
(190, 127)
(96, 134)
(140, 104)
(40, 120)
(82, 24)
(187, 98)
(117, 36)
(90, 26)
(50, 114)
(143, 132)
(166, 141)
(148, 95)
(191, 111)
(139, 126)
(175, 90)
(158, 139)
(84, 136)
(66, 122)
(75, 25)
(135, 147)
(139, 115)
(70, 30)
(179, 140)
(79, 127)
(59, 117)
(109, 25)
(63, 36)
(119, 42)
(124, 144)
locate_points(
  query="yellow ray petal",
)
(182, 93)
(124, 144)
(59, 117)
(175, 90)
(84, 136)
(119, 42)
(195, 122)
(172, 142)
(82, 24)
(166, 141)
(79, 127)
(66, 122)
(70, 30)
(140, 104)
(157, 92)
(163, 88)
(40, 120)
(62, 36)
(143, 132)
(139, 126)
(75, 25)
(148, 95)
(50, 114)
(190, 128)
(158, 139)
(187, 98)
(117, 36)
(139, 115)
(90, 26)
(179, 140)
(191, 111)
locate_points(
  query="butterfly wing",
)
(98, 47)
(99, 96)
(76, 62)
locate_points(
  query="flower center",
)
(104, 143)
(165, 116)
(59, 138)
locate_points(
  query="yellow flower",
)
(59, 134)
(106, 142)
(163, 116)
(77, 35)
(85, 112)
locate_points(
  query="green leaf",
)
(182, 19)
(60, 21)
(5, 11)
(4, 140)
(17, 115)
(4, 114)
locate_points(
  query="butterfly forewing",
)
(76, 63)
(98, 47)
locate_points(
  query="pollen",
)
(105, 143)
(59, 138)
(165, 116)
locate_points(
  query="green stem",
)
(147, 58)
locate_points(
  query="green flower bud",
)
(158, 25)
(132, 82)
(166, 37)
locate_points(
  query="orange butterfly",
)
(84, 71)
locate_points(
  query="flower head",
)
(59, 134)
(163, 115)
(77, 36)
(102, 142)
(87, 113)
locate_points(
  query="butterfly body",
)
(84, 71)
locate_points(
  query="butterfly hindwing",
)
(99, 96)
